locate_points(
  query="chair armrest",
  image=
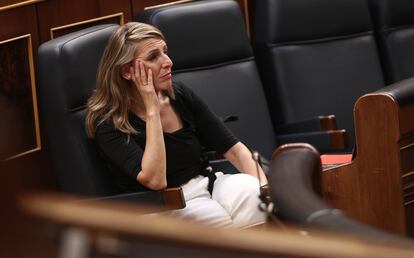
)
(166, 199)
(319, 123)
(294, 182)
(323, 141)
(222, 165)
(225, 166)
(173, 198)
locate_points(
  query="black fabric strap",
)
(207, 172)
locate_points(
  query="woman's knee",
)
(238, 184)
(239, 195)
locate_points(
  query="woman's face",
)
(153, 53)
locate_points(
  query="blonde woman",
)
(150, 130)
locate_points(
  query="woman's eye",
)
(152, 57)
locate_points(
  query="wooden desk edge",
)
(123, 218)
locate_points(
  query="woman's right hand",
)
(153, 162)
(145, 86)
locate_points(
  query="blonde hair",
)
(112, 98)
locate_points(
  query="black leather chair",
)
(394, 27)
(315, 58)
(66, 77)
(212, 54)
(294, 185)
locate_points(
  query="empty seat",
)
(315, 58)
(394, 26)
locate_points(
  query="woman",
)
(150, 130)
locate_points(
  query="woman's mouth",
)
(166, 76)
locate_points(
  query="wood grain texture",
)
(18, 127)
(53, 14)
(32, 171)
(183, 237)
(374, 187)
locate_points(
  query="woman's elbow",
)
(158, 185)
(152, 183)
(234, 152)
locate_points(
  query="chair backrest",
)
(66, 78)
(316, 58)
(212, 55)
(394, 25)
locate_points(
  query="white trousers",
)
(234, 203)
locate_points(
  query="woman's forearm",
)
(241, 157)
(153, 164)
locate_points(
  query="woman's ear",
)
(125, 72)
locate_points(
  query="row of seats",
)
(212, 54)
(393, 22)
(317, 57)
(375, 188)
(313, 57)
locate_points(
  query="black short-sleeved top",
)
(201, 127)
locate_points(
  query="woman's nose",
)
(167, 62)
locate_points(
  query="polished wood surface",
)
(20, 21)
(19, 130)
(52, 14)
(328, 122)
(183, 237)
(376, 187)
(173, 198)
(12, 4)
(19, 176)
(31, 171)
(338, 139)
(116, 18)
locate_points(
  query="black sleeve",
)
(210, 129)
(115, 148)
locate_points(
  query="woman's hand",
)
(144, 84)
(153, 163)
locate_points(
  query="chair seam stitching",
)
(313, 41)
(251, 58)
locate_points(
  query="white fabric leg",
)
(235, 201)
(239, 195)
(200, 207)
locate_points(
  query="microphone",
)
(266, 205)
(264, 189)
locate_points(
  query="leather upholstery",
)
(195, 33)
(394, 24)
(316, 58)
(402, 91)
(66, 77)
(67, 69)
(295, 20)
(212, 55)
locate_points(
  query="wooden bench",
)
(377, 187)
